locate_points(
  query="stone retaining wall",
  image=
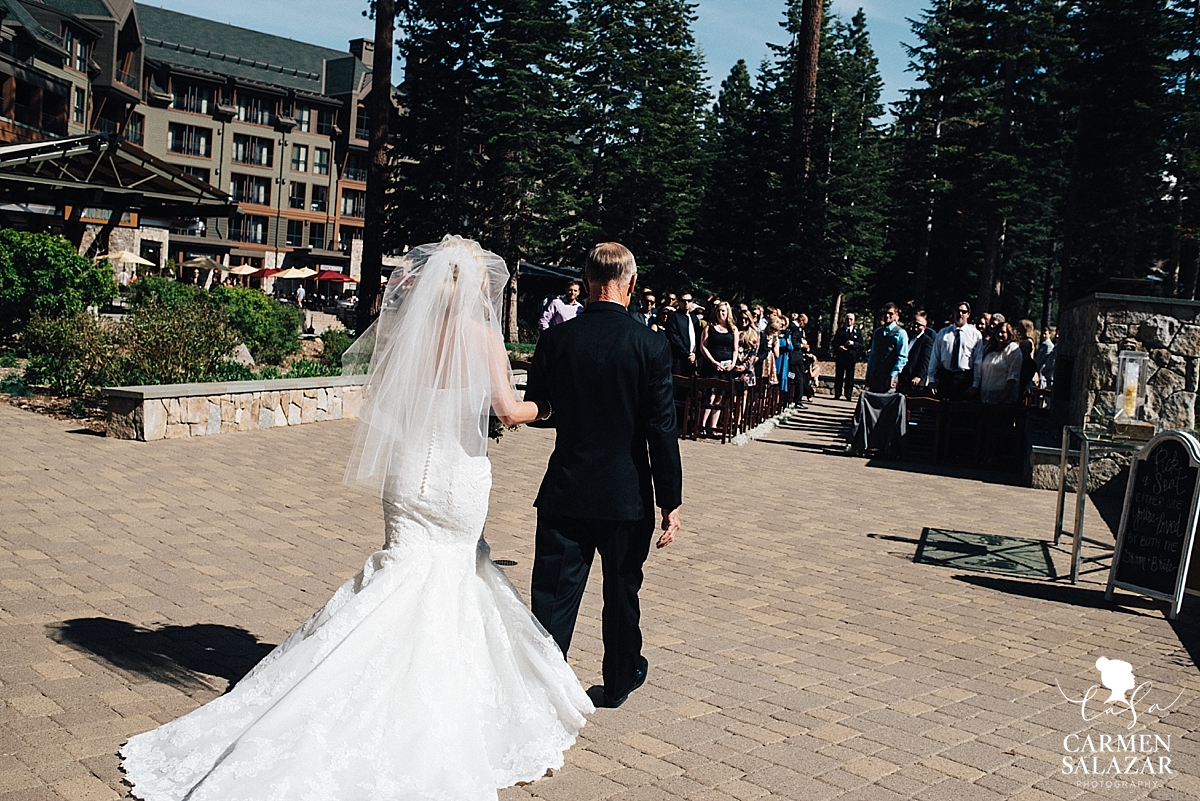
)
(168, 411)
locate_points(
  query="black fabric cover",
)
(879, 423)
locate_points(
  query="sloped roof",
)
(19, 14)
(216, 47)
(83, 8)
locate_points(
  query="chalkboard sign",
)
(1158, 522)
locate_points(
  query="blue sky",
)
(726, 29)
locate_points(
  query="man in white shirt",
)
(562, 309)
(951, 365)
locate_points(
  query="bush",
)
(335, 342)
(70, 354)
(156, 291)
(43, 275)
(270, 372)
(227, 370)
(307, 368)
(270, 329)
(15, 385)
(8, 359)
(166, 345)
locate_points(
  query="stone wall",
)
(1093, 331)
(169, 411)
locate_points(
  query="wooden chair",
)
(924, 428)
(685, 408)
(714, 395)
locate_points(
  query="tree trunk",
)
(805, 108)
(989, 274)
(512, 331)
(380, 111)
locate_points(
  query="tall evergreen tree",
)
(640, 105)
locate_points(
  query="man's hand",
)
(895, 381)
(670, 527)
(692, 358)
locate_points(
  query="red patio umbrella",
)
(334, 275)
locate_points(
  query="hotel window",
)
(252, 150)
(346, 236)
(320, 198)
(251, 189)
(356, 167)
(362, 123)
(321, 161)
(76, 50)
(303, 118)
(189, 140)
(79, 107)
(254, 109)
(248, 228)
(295, 233)
(135, 129)
(81, 55)
(196, 172)
(191, 97)
(325, 120)
(300, 158)
(354, 203)
(297, 195)
(316, 236)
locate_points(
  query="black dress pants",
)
(843, 379)
(563, 552)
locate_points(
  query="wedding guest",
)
(683, 334)
(889, 351)
(562, 309)
(718, 342)
(1044, 358)
(847, 345)
(661, 318)
(951, 365)
(748, 356)
(999, 367)
(920, 348)
(646, 313)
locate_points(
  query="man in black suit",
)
(605, 384)
(920, 348)
(683, 334)
(847, 345)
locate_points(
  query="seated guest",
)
(998, 368)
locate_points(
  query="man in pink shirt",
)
(562, 309)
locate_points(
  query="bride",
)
(424, 676)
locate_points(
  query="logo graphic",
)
(1098, 758)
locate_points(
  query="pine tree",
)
(1183, 264)
(640, 106)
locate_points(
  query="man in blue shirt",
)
(889, 351)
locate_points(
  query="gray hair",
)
(609, 262)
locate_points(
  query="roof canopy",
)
(106, 172)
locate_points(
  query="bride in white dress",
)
(424, 676)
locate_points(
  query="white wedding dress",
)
(423, 677)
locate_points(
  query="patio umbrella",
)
(204, 263)
(297, 272)
(335, 276)
(127, 257)
(243, 269)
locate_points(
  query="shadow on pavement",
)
(1068, 594)
(175, 655)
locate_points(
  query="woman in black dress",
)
(718, 346)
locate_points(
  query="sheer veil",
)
(434, 362)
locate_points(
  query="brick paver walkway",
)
(796, 650)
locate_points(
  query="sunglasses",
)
(964, 311)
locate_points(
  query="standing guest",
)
(951, 363)
(999, 366)
(748, 356)
(718, 342)
(1044, 358)
(683, 334)
(645, 315)
(745, 318)
(920, 348)
(760, 317)
(783, 351)
(562, 309)
(847, 344)
(889, 351)
(661, 318)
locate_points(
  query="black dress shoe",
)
(639, 678)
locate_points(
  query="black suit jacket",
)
(608, 379)
(919, 351)
(850, 337)
(677, 336)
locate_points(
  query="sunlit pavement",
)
(795, 649)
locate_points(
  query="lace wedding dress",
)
(423, 677)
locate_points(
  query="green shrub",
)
(227, 370)
(269, 373)
(43, 275)
(336, 342)
(270, 329)
(308, 368)
(184, 344)
(8, 359)
(153, 290)
(70, 354)
(15, 385)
